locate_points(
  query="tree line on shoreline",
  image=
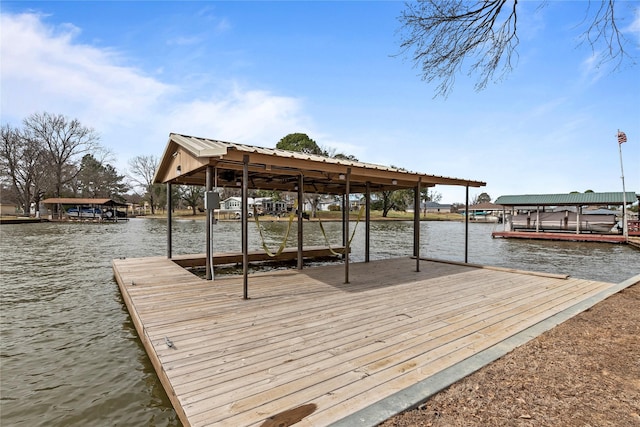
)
(51, 155)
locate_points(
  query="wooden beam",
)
(245, 228)
(416, 226)
(346, 227)
(359, 174)
(209, 187)
(300, 223)
(466, 225)
(367, 222)
(169, 207)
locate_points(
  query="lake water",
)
(70, 356)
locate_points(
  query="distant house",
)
(8, 209)
(323, 204)
(435, 207)
(268, 206)
(233, 206)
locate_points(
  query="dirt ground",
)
(584, 372)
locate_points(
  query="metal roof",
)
(433, 205)
(275, 169)
(81, 201)
(485, 207)
(571, 199)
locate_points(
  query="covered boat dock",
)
(564, 217)
(349, 344)
(190, 160)
(83, 208)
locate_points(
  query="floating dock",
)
(306, 347)
(569, 237)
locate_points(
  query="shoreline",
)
(352, 218)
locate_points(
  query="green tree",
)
(397, 200)
(333, 153)
(481, 198)
(342, 156)
(97, 179)
(428, 195)
(402, 199)
(442, 34)
(301, 143)
(192, 195)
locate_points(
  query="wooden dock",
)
(634, 241)
(572, 237)
(308, 347)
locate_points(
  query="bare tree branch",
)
(604, 31)
(443, 34)
(23, 163)
(66, 141)
(444, 38)
(142, 171)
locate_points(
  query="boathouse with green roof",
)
(569, 217)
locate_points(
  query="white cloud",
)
(218, 24)
(634, 27)
(253, 117)
(592, 68)
(184, 41)
(44, 68)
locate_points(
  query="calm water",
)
(70, 355)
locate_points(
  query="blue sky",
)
(253, 72)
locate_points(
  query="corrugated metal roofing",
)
(203, 147)
(613, 198)
(434, 205)
(186, 157)
(81, 201)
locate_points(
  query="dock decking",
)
(306, 338)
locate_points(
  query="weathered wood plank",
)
(305, 337)
(386, 361)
